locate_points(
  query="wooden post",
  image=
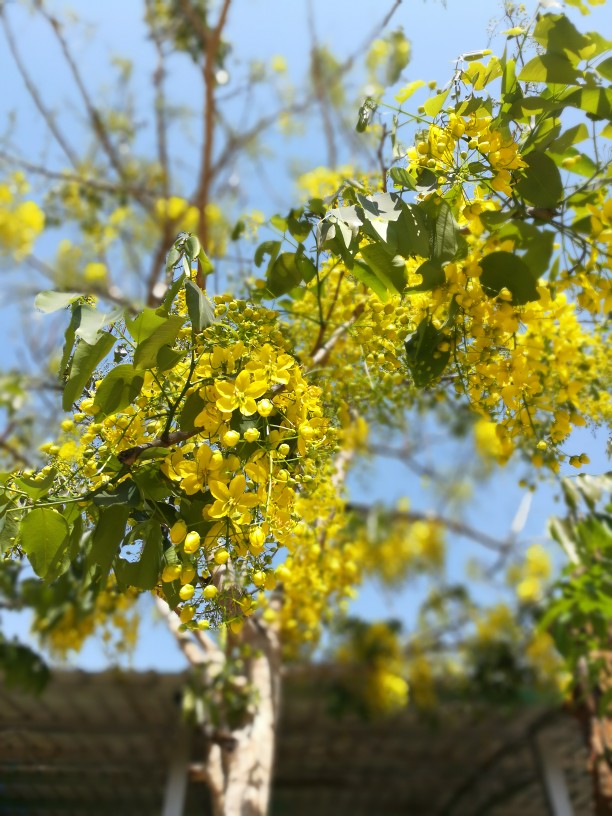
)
(176, 785)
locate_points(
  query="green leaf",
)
(283, 274)
(145, 323)
(279, 223)
(36, 487)
(364, 117)
(364, 274)
(172, 258)
(171, 294)
(305, 265)
(410, 232)
(381, 263)
(271, 248)
(557, 34)
(434, 104)
(126, 493)
(544, 133)
(425, 359)
(168, 357)
(433, 276)
(107, 536)
(194, 405)
(22, 669)
(118, 389)
(192, 247)
(494, 220)
(150, 481)
(532, 106)
(596, 102)
(503, 269)
(69, 338)
(299, 227)
(541, 184)
(200, 309)
(53, 301)
(426, 181)
(145, 355)
(539, 252)
(570, 137)
(554, 68)
(402, 178)
(398, 57)
(581, 164)
(92, 321)
(445, 233)
(9, 530)
(44, 538)
(605, 69)
(84, 361)
(206, 264)
(144, 573)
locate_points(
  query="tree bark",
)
(597, 731)
(239, 771)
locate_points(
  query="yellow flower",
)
(241, 393)
(192, 542)
(232, 500)
(270, 366)
(194, 474)
(178, 531)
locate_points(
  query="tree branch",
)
(459, 527)
(33, 91)
(210, 39)
(97, 124)
(63, 175)
(203, 652)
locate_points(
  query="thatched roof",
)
(104, 743)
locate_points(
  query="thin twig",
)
(116, 188)
(320, 90)
(320, 354)
(33, 91)
(97, 123)
(211, 38)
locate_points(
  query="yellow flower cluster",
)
(322, 181)
(258, 451)
(397, 548)
(531, 576)
(459, 141)
(114, 616)
(21, 222)
(374, 651)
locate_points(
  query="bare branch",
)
(33, 91)
(15, 454)
(95, 119)
(320, 354)
(161, 124)
(376, 31)
(203, 652)
(455, 526)
(404, 455)
(210, 39)
(116, 188)
(320, 90)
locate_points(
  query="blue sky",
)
(260, 29)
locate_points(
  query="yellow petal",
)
(236, 486)
(219, 490)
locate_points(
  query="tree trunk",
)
(239, 771)
(597, 731)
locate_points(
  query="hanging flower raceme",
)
(196, 451)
